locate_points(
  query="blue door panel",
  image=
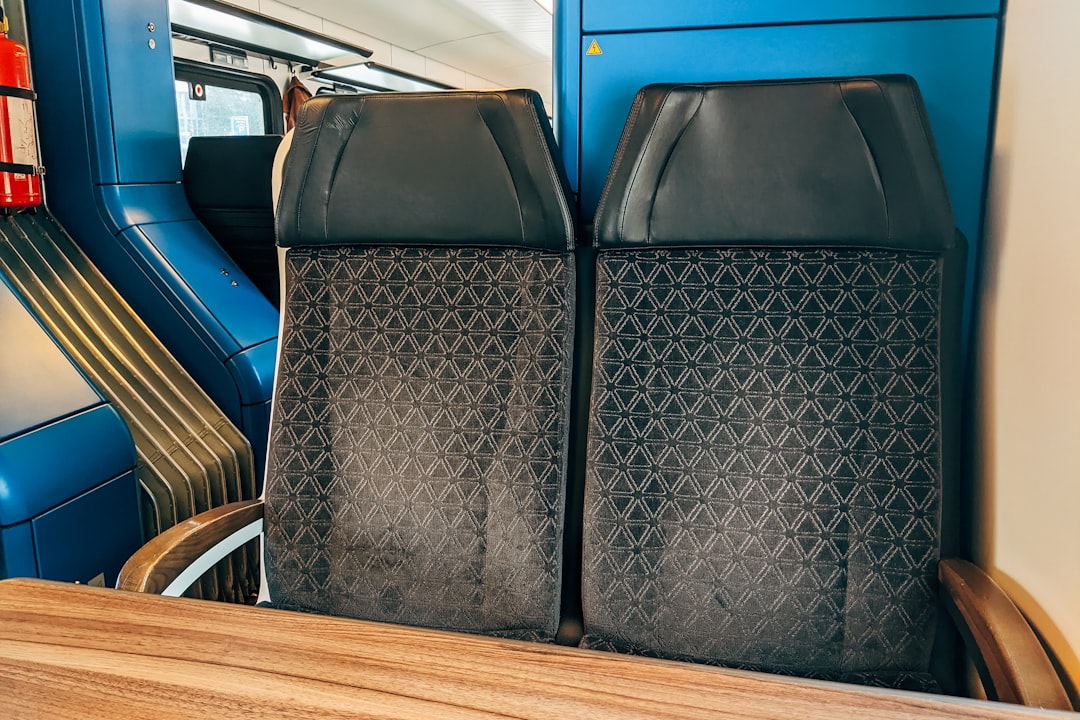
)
(952, 60)
(636, 15)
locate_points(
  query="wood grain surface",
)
(166, 555)
(1010, 659)
(78, 652)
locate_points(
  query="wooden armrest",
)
(172, 561)
(1012, 663)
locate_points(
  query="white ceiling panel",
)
(494, 52)
(505, 41)
(411, 24)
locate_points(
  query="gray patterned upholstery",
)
(900, 680)
(774, 423)
(762, 479)
(420, 437)
(418, 450)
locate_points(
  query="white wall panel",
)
(1029, 387)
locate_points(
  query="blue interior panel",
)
(141, 279)
(138, 60)
(93, 533)
(128, 205)
(42, 468)
(207, 284)
(258, 416)
(110, 141)
(566, 90)
(68, 494)
(74, 48)
(952, 60)
(622, 15)
(17, 556)
(254, 372)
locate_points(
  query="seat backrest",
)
(774, 420)
(418, 456)
(227, 182)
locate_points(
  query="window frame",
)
(215, 75)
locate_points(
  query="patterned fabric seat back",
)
(773, 429)
(418, 444)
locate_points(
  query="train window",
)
(218, 101)
(212, 110)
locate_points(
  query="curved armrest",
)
(1011, 661)
(172, 561)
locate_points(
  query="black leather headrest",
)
(449, 168)
(838, 162)
(230, 172)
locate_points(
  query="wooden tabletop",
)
(70, 651)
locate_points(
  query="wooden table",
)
(70, 651)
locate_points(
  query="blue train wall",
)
(69, 507)
(948, 46)
(110, 141)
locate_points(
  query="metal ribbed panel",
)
(190, 456)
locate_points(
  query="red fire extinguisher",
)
(20, 168)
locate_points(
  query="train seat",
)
(773, 467)
(228, 185)
(772, 437)
(419, 435)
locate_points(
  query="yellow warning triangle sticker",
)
(594, 49)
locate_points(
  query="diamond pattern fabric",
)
(419, 437)
(900, 679)
(763, 480)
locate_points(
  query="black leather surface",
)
(843, 161)
(227, 182)
(378, 169)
